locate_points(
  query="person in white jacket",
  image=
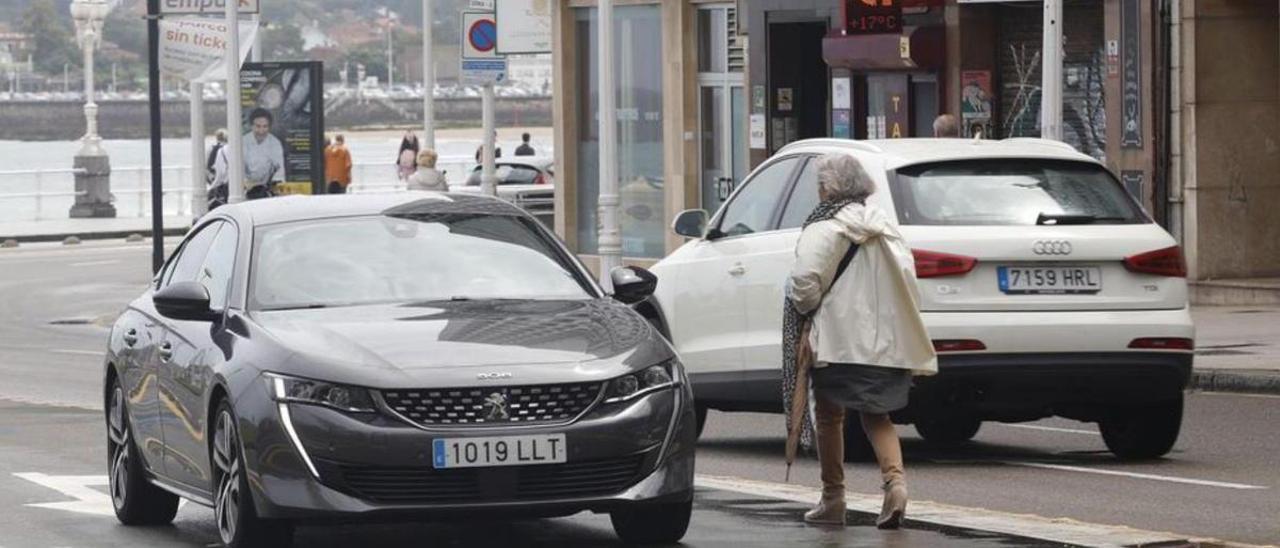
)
(427, 177)
(854, 286)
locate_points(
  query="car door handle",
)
(165, 351)
(130, 337)
(737, 270)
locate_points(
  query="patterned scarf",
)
(792, 321)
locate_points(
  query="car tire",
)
(238, 523)
(663, 523)
(1140, 433)
(135, 500)
(857, 448)
(948, 430)
(700, 413)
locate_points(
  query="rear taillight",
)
(1163, 343)
(540, 179)
(958, 345)
(1161, 262)
(931, 264)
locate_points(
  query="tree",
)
(53, 36)
(281, 42)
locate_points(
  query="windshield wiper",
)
(310, 306)
(1071, 219)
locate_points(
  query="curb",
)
(108, 235)
(1236, 381)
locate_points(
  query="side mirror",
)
(632, 284)
(184, 301)
(690, 223)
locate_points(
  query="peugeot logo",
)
(1051, 247)
(493, 376)
(495, 407)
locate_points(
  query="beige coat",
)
(871, 315)
(427, 178)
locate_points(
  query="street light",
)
(89, 16)
(93, 168)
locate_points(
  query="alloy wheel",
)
(226, 457)
(118, 449)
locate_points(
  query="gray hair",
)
(843, 178)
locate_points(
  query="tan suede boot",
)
(830, 509)
(895, 504)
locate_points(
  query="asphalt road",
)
(1222, 480)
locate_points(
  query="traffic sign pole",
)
(235, 150)
(488, 180)
(428, 76)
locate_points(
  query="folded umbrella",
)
(800, 399)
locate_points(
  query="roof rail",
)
(854, 143)
(1039, 141)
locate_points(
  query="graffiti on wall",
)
(1084, 116)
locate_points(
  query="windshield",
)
(385, 259)
(507, 174)
(1011, 192)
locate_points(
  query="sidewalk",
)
(1237, 349)
(53, 230)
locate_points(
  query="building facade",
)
(709, 89)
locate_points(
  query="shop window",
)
(638, 57)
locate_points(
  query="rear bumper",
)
(1019, 387)
(1059, 331)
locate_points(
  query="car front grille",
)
(534, 404)
(425, 485)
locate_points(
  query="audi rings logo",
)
(1051, 247)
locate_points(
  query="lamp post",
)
(93, 168)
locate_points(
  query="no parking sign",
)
(479, 36)
(481, 63)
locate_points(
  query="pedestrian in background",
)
(852, 311)
(427, 177)
(525, 149)
(945, 125)
(217, 171)
(497, 150)
(337, 165)
(406, 158)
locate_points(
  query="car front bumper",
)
(380, 467)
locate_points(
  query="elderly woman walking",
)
(853, 314)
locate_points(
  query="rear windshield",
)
(1011, 192)
(508, 174)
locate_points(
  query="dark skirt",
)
(864, 388)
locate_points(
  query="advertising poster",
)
(840, 127)
(283, 124)
(975, 102)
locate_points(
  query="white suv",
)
(1046, 288)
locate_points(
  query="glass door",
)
(722, 152)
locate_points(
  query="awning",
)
(915, 48)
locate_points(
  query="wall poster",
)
(283, 125)
(975, 103)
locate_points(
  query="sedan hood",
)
(446, 344)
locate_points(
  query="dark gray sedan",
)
(413, 356)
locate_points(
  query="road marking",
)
(1060, 530)
(77, 352)
(1051, 429)
(87, 500)
(1156, 477)
(96, 263)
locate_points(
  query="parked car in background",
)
(322, 359)
(1045, 287)
(526, 181)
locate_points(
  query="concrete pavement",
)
(53, 493)
(56, 230)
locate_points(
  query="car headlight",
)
(337, 396)
(643, 382)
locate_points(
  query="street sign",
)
(525, 26)
(194, 48)
(484, 71)
(195, 7)
(479, 36)
(480, 5)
